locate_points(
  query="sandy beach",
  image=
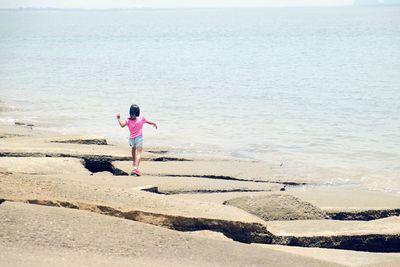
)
(68, 201)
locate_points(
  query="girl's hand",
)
(118, 116)
(152, 124)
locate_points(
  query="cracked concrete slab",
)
(87, 140)
(353, 199)
(220, 198)
(381, 235)
(311, 228)
(85, 189)
(351, 204)
(339, 256)
(41, 146)
(339, 204)
(277, 207)
(179, 185)
(217, 169)
(41, 234)
(33, 165)
(71, 167)
(68, 184)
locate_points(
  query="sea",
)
(309, 89)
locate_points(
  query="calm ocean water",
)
(305, 86)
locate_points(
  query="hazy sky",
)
(165, 3)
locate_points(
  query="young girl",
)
(135, 125)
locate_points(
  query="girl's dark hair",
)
(134, 111)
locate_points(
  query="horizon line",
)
(134, 8)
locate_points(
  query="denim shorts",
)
(136, 142)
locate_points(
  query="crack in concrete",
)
(366, 215)
(164, 159)
(369, 242)
(83, 156)
(154, 189)
(207, 191)
(95, 141)
(158, 151)
(99, 165)
(224, 177)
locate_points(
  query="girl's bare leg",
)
(138, 154)
(133, 157)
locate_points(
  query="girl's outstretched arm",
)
(121, 123)
(152, 123)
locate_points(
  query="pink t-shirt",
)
(135, 126)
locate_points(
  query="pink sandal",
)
(136, 172)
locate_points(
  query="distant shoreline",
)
(166, 8)
(38, 9)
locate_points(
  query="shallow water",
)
(305, 86)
